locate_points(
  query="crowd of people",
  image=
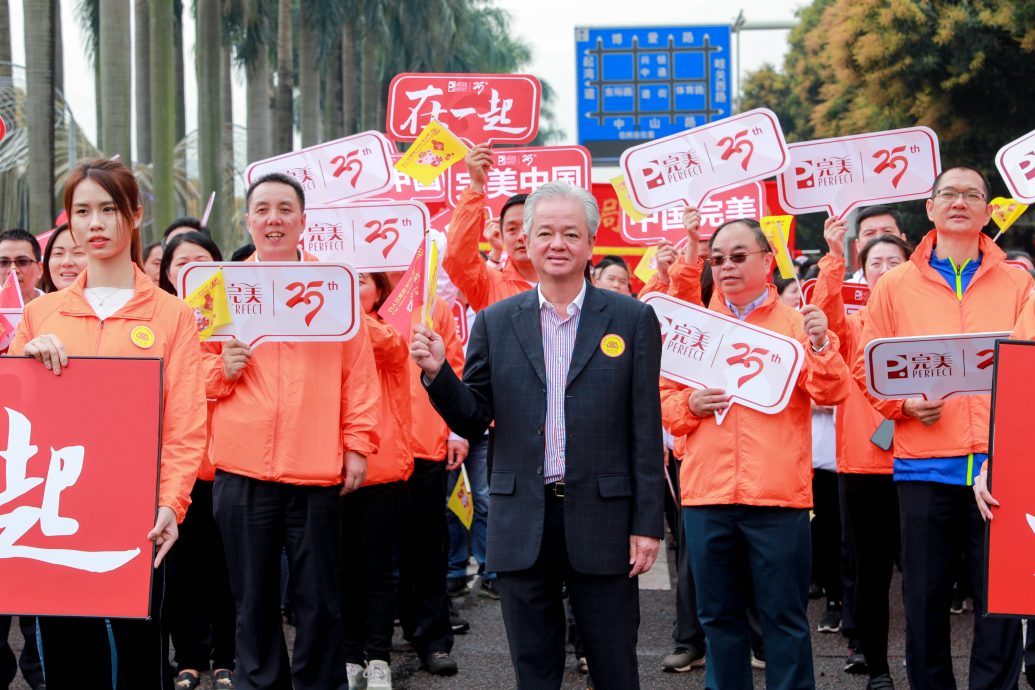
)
(308, 482)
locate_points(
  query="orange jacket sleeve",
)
(879, 323)
(388, 345)
(463, 263)
(184, 417)
(360, 396)
(676, 416)
(445, 326)
(685, 281)
(824, 375)
(654, 284)
(1024, 329)
(827, 296)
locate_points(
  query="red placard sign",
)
(745, 201)
(522, 171)
(460, 316)
(80, 477)
(477, 108)
(854, 295)
(3, 129)
(1010, 562)
(408, 189)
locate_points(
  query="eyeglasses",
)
(736, 257)
(950, 195)
(20, 262)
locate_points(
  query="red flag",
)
(408, 294)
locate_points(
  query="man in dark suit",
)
(569, 374)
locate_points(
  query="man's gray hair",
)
(563, 190)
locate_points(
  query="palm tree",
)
(5, 44)
(39, 78)
(115, 87)
(308, 79)
(210, 107)
(162, 97)
(181, 97)
(349, 82)
(283, 109)
(88, 14)
(142, 78)
(248, 24)
(59, 51)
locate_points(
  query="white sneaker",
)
(379, 675)
(356, 677)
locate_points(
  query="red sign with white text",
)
(854, 295)
(408, 189)
(477, 108)
(80, 478)
(460, 316)
(522, 171)
(745, 201)
(1010, 562)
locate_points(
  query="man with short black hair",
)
(182, 225)
(871, 222)
(20, 252)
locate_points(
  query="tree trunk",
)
(142, 63)
(59, 51)
(5, 44)
(308, 78)
(370, 80)
(283, 111)
(210, 109)
(116, 65)
(332, 125)
(181, 97)
(225, 193)
(162, 97)
(258, 99)
(350, 79)
(39, 110)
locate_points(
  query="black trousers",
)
(369, 579)
(826, 535)
(606, 608)
(258, 520)
(29, 660)
(107, 652)
(848, 624)
(871, 506)
(423, 535)
(199, 612)
(939, 523)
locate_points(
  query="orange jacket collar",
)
(718, 302)
(991, 254)
(140, 306)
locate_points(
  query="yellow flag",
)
(647, 267)
(1006, 211)
(460, 501)
(434, 151)
(211, 308)
(622, 191)
(431, 287)
(776, 229)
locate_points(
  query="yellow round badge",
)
(612, 345)
(142, 336)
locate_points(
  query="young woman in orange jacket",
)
(96, 316)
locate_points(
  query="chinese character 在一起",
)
(66, 466)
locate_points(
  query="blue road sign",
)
(637, 84)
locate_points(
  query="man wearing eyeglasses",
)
(956, 281)
(20, 252)
(746, 485)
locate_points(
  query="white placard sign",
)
(1016, 163)
(684, 168)
(836, 175)
(289, 301)
(335, 171)
(369, 236)
(931, 367)
(704, 349)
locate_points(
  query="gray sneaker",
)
(379, 675)
(356, 679)
(683, 659)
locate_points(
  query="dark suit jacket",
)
(613, 455)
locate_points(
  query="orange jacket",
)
(295, 409)
(466, 268)
(430, 433)
(914, 300)
(856, 420)
(753, 458)
(393, 461)
(1024, 329)
(207, 471)
(68, 315)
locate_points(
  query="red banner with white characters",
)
(405, 188)
(80, 475)
(477, 108)
(745, 201)
(1010, 561)
(854, 295)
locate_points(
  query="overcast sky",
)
(547, 25)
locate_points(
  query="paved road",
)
(485, 663)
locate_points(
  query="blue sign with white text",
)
(638, 84)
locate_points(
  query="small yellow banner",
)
(776, 229)
(431, 287)
(648, 265)
(623, 199)
(460, 501)
(1005, 212)
(431, 154)
(211, 307)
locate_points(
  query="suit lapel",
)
(529, 333)
(592, 326)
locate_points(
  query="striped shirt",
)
(558, 344)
